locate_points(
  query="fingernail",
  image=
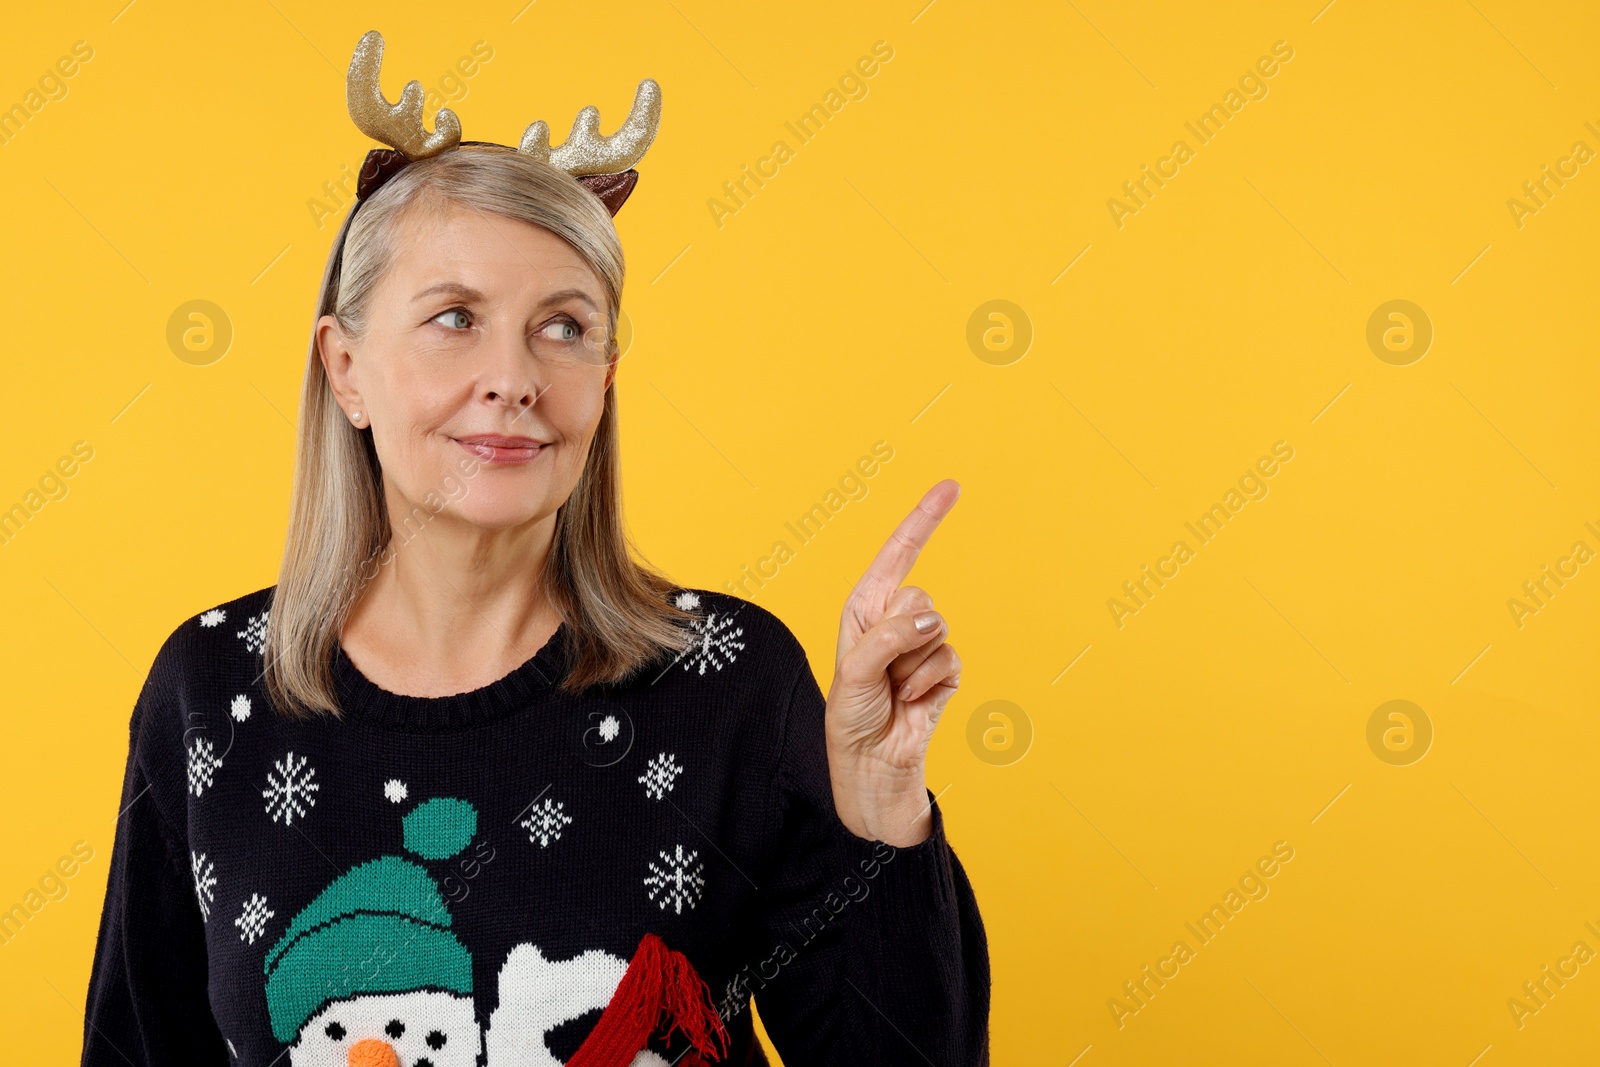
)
(926, 621)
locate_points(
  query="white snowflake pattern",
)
(289, 789)
(679, 880)
(687, 600)
(395, 790)
(719, 640)
(240, 707)
(659, 776)
(214, 617)
(252, 921)
(205, 882)
(203, 762)
(609, 728)
(255, 632)
(734, 998)
(546, 821)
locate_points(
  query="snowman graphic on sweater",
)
(371, 974)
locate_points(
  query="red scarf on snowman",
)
(659, 993)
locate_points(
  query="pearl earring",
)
(356, 416)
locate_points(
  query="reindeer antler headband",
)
(602, 163)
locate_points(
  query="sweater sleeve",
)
(873, 954)
(147, 1002)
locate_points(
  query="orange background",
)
(1142, 769)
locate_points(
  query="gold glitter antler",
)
(585, 151)
(397, 125)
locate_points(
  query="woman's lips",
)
(501, 454)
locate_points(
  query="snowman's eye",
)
(335, 1031)
(395, 1028)
(436, 1040)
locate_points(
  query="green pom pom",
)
(439, 828)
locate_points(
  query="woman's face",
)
(483, 371)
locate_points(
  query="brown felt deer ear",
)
(612, 189)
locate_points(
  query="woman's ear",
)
(338, 362)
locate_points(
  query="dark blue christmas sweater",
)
(473, 879)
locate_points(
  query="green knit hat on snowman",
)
(381, 927)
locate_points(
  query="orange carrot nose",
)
(373, 1053)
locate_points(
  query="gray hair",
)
(618, 608)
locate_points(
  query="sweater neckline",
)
(363, 700)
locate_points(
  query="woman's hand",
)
(893, 676)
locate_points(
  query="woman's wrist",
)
(881, 804)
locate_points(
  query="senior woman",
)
(471, 783)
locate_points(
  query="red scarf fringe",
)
(660, 987)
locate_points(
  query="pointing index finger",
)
(894, 560)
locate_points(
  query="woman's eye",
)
(455, 319)
(561, 330)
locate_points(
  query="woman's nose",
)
(511, 374)
(372, 1053)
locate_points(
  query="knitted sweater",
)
(476, 878)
